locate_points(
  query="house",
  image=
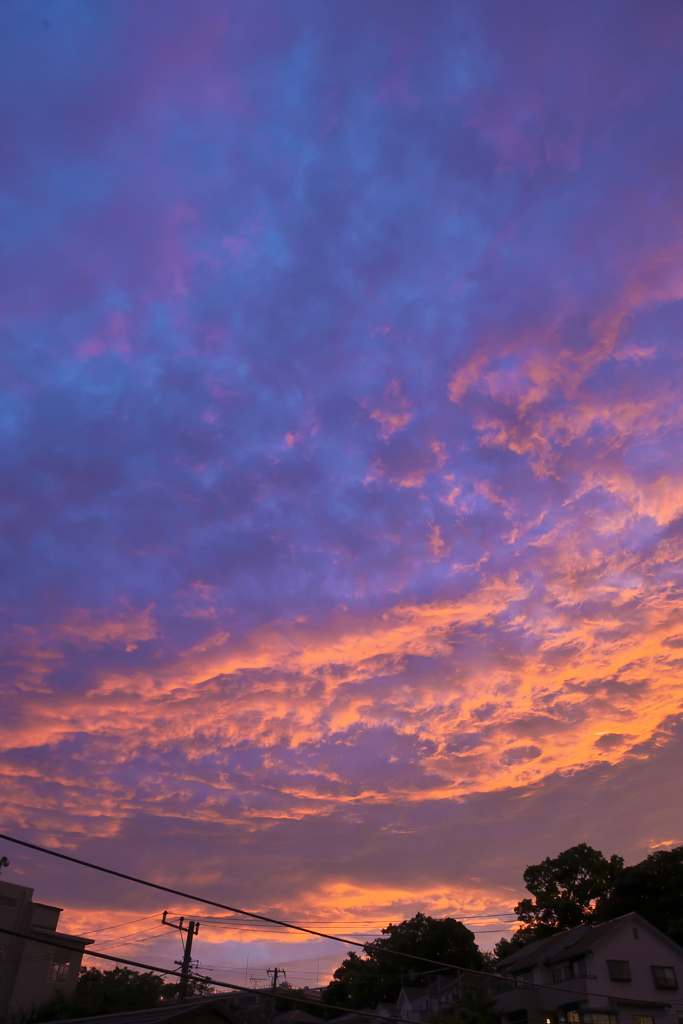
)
(31, 972)
(296, 1016)
(421, 1004)
(447, 992)
(202, 1010)
(624, 971)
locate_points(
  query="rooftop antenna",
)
(4, 863)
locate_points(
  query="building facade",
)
(32, 970)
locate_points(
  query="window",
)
(619, 970)
(59, 968)
(664, 977)
(7, 901)
(570, 969)
(643, 1020)
(637, 936)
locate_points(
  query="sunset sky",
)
(342, 475)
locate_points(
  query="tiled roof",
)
(528, 955)
(561, 945)
(582, 943)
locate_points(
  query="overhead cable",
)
(279, 994)
(224, 906)
(179, 892)
(268, 992)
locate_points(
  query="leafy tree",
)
(121, 989)
(105, 992)
(477, 1006)
(567, 891)
(505, 947)
(581, 886)
(567, 888)
(377, 977)
(654, 889)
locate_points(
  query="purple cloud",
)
(341, 522)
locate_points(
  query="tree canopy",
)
(99, 992)
(580, 886)
(654, 889)
(567, 888)
(567, 891)
(377, 977)
(476, 1006)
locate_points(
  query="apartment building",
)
(31, 969)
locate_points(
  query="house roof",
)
(172, 1011)
(297, 1016)
(530, 954)
(572, 942)
(64, 937)
(585, 941)
(412, 993)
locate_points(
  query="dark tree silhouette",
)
(377, 977)
(654, 889)
(567, 891)
(98, 992)
(476, 1006)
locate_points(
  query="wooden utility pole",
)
(185, 964)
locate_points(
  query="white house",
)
(622, 972)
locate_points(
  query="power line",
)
(247, 927)
(122, 924)
(236, 923)
(488, 918)
(262, 917)
(268, 992)
(178, 892)
(134, 937)
(221, 906)
(145, 937)
(293, 998)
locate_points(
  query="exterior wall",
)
(16, 912)
(32, 972)
(641, 953)
(538, 1003)
(45, 916)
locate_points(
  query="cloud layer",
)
(342, 523)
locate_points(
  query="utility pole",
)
(275, 971)
(185, 964)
